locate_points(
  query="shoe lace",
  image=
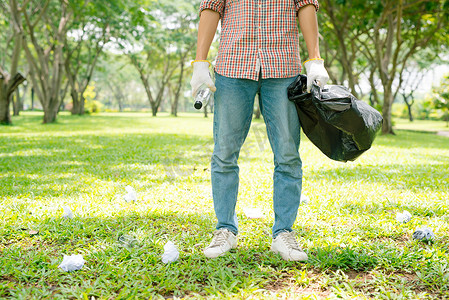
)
(290, 240)
(219, 238)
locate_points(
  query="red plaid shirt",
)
(258, 35)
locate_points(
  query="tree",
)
(157, 37)
(89, 33)
(408, 96)
(379, 37)
(410, 81)
(44, 31)
(184, 36)
(340, 25)
(399, 31)
(116, 76)
(12, 34)
(17, 104)
(144, 42)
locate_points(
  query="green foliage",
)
(441, 98)
(93, 106)
(356, 248)
(424, 109)
(399, 110)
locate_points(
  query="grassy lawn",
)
(356, 248)
(420, 125)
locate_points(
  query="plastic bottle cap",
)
(198, 105)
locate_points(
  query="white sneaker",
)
(287, 246)
(222, 242)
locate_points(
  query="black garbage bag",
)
(341, 126)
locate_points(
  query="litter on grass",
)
(72, 263)
(171, 253)
(304, 199)
(127, 240)
(68, 214)
(403, 217)
(253, 213)
(131, 194)
(423, 234)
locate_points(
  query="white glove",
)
(201, 76)
(316, 71)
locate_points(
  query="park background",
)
(94, 96)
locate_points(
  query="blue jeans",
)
(233, 110)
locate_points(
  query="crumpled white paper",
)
(304, 199)
(423, 234)
(72, 263)
(403, 217)
(131, 194)
(68, 214)
(171, 253)
(127, 240)
(253, 213)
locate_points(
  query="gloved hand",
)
(316, 71)
(201, 76)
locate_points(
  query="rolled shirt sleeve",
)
(215, 5)
(302, 3)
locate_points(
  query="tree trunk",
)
(154, 108)
(78, 103)
(17, 103)
(374, 97)
(154, 103)
(5, 116)
(51, 111)
(32, 98)
(174, 108)
(409, 108)
(410, 115)
(9, 82)
(7, 87)
(409, 105)
(387, 125)
(257, 113)
(62, 96)
(82, 102)
(24, 95)
(174, 102)
(75, 102)
(120, 104)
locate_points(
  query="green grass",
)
(420, 125)
(356, 247)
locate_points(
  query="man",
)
(258, 53)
